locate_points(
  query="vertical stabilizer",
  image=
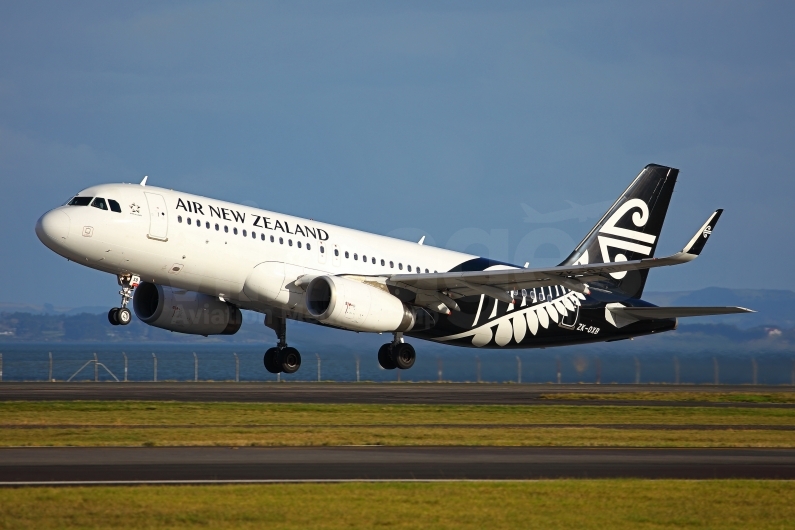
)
(630, 229)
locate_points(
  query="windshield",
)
(80, 201)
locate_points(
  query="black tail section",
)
(630, 229)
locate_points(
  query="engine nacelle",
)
(358, 306)
(185, 311)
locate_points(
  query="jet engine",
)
(359, 306)
(185, 311)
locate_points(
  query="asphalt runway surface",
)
(74, 466)
(378, 393)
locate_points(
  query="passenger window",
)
(391, 264)
(400, 266)
(226, 229)
(244, 233)
(308, 246)
(336, 252)
(373, 261)
(322, 249)
(217, 227)
(346, 254)
(80, 201)
(272, 240)
(290, 242)
(409, 268)
(418, 270)
(208, 225)
(99, 202)
(262, 237)
(426, 271)
(364, 258)
(298, 244)
(382, 263)
(254, 235)
(179, 218)
(356, 256)
(234, 230)
(281, 241)
(114, 206)
(188, 220)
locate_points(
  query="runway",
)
(75, 466)
(379, 393)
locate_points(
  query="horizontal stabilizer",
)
(620, 316)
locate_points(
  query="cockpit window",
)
(100, 203)
(114, 206)
(80, 201)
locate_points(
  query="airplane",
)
(190, 264)
(577, 211)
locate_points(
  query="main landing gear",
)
(121, 316)
(282, 358)
(396, 354)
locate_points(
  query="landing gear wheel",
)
(289, 360)
(271, 362)
(403, 355)
(385, 357)
(123, 316)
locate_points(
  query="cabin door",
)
(158, 216)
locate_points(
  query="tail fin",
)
(630, 229)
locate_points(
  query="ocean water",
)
(217, 362)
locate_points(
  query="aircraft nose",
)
(53, 227)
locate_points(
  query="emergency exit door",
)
(158, 216)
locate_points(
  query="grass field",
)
(582, 504)
(265, 424)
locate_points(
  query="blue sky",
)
(435, 118)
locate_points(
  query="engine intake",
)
(358, 306)
(185, 311)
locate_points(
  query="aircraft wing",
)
(498, 283)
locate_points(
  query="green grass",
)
(581, 504)
(266, 424)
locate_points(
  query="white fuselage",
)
(209, 246)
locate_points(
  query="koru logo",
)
(707, 231)
(135, 209)
(623, 238)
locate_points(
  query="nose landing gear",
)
(396, 354)
(282, 358)
(121, 316)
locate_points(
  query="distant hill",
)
(49, 309)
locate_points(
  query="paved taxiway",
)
(382, 393)
(219, 464)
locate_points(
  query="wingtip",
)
(696, 244)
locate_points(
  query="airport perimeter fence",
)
(181, 363)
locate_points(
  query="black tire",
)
(112, 318)
(404, 355)
(271, 361)
(123, 316)
(289, 360)
(385, 357)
